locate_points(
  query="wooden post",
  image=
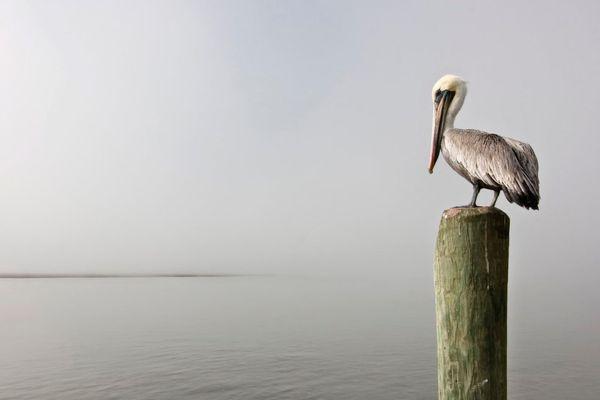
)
(471, 276)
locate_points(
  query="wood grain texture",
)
(471, 276)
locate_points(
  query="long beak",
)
(439, 121)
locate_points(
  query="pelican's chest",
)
(451, 154)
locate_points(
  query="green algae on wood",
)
(471, 276)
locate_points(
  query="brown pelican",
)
(486, 160)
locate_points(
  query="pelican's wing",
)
(497, 161)
(527, 159)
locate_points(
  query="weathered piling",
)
(471, 276)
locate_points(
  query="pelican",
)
(487, 160)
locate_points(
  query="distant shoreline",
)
(38, 276)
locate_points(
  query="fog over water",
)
(291, 138)
(279, 338)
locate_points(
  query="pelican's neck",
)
(454, 108)
(449, 122)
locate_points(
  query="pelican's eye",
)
(438, 96)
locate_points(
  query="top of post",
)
(474, 225)
(472, 212)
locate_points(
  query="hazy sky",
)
(286, 136)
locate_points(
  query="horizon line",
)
(118, 275)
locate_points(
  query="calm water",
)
(256, 338)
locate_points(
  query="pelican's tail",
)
(527, 199)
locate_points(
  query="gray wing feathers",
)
(527, 159)
(497, 162)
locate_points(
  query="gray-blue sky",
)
(276, 136)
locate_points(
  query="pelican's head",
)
(448, 95)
